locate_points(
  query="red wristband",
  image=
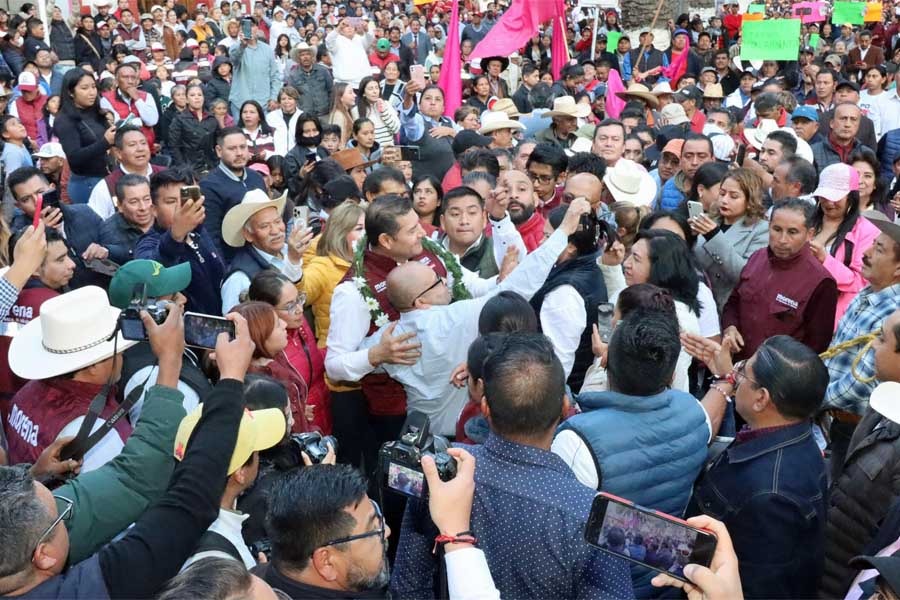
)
(463, 538)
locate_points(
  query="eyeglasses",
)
(439, 281)
(64, 516)
(740, 374)
(545, 179)
(359, 536)
(294, 306)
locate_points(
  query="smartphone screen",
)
(410, 153)
(604, 321)
(201, 331)
(247, 29)
(695, 209)
(653, 539)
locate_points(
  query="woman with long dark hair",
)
(384, 117)
(192, 134)
(260, 139)
(481, 93)
(85, 131)
(872, 189)
(427, 196)
(842, 234)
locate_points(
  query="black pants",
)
(351, 428)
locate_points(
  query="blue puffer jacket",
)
(671, 197)
(647, 449)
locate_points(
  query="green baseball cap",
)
(160, 280)
(383, 44)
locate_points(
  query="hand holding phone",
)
(417, 74)
(695, 209)
(740, 155)
(202, 331)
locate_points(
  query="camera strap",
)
(85, 440)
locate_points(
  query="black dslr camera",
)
(130, 320)
(314, 444)
(401, 461)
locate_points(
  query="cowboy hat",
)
(505, 105)
(757, 135)
(350, 158)
(235, 219)
(504, 62)
(579, 145)
(493, 120)
(565, 106)
(662, 89)
(75, 330)
(713, 92)
(804, 150)
(629, 184)
(641, 92)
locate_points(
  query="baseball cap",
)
(51, 150)
(689, 93)
(156, 47)
(805, 112)
(807, 50)
(160, 280)
(146, 17)
(259, 430)
(192, 43)
(155, 8)
(383, 44)
(673, 147)
(469, 139)
(846, 83)
(836, 181)
(27, 81)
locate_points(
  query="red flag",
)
(451, 69)
(521, 21)
(675, 70)
(614, 104)
(559, 50)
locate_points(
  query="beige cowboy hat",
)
(350, 158)
(629, 184)
(235, 219)
(75, 330)
(493, 120)
(757, 135)
(641, 92)
(714, 92)
(506, 105)
(565, 106)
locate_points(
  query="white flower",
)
(372, 303)
(382, 320)
(359, 282)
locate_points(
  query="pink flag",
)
(559, 50)
(675, 70)
(521, 21)
(451, 69)
(614, 104)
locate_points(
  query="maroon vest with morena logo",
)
(384, 396)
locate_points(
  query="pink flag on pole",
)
(451, 69)
(521, 21)
(614, 104)
(559, 50)
(676, 69)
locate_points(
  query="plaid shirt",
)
(8, 296)
(865, 315)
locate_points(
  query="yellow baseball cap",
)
(259, 430)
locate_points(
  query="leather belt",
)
(843, 416)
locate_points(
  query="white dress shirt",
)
(468, 575)
(238, 281)
(101, 200)
(563, 319)
(350, 320)
(890, 116)
(446, 332)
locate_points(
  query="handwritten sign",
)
(774, 39)
(810, 12)
(848, 12)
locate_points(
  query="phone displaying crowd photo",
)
(656, 540)
(405, 480)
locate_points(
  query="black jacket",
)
(85, 45)
(217, 87)
(192, 140)
(81, 134)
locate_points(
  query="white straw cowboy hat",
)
(565, 106)
(757, 135)
(74, 331)
(662, 89)
(629, 184)
(641, 92)
(493, 120)
(235, 219)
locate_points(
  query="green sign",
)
(772, 39)
(814, 41)
(612, 40)
(848, 12)
(756, 9)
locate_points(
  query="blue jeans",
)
(80, 187)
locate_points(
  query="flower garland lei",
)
(378, 316)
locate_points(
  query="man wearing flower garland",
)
(360, 306)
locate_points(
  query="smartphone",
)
(311, 157)
(604, 321)
(417, 74)
(38, 207)
(190, 192)
(247, 29)
(201, 331)
(410, 153)
(741, 153)
(667, 543)
(695, 209)
(301, 217)
(103, 266)
(127, 122)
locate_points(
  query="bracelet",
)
(464, 537)
(718, 388)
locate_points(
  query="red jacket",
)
(532, 231)
(44, 407)
(30, 113)
(26, 308)
(284, 372)
(123, 109)
(309, 361)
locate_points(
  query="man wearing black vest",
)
(256, 228)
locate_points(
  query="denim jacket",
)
(770, 491)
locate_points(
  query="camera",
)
(130, 320)
(263, 545)
(401, 461)
(314, 444)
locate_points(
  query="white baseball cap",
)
(51, 150)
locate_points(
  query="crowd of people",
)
(242, 244)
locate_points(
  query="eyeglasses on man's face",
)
(359, 536)
(64, 515)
